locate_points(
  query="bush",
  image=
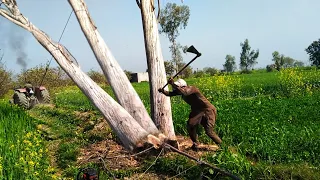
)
(291, 81)
(50, 78)
(211, 71)
(5, 80)
(97, 77)
(270, 68)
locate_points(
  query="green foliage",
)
(22, 150)
(220, 87)
(211, 71)
(50, 78)
(313, 51)
(199, 74)
(298, 64)
(278, 60)
(5, 80)
(128, 74)
(173, 18)
(169, 67)
(187, 72)
(270, 68)
(272, 130)
(67, 154)
(236, 163)
(247, 58)
(230, 64)
(288, 62)
(291, 81)
(97, 77)
(73, 98)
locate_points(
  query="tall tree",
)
(278, 60)
(230, 64)
(160, 105)
(172, 19)
(248, 58)
(298, 64)
(313, 51)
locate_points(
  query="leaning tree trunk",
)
(130, 133)
(122, 88)
(160, 104)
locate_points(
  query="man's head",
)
(180, 83)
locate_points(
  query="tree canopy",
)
(230, 64)
(248, 58)
(313, 51)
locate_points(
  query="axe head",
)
(193, 50)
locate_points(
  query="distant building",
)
(139, 77)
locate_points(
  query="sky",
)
(216, 28)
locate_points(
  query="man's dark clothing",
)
(202, 112)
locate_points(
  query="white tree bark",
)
(122, 88)
(160, 104)
(123, 124)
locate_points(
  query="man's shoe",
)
(194, 147)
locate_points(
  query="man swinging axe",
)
(202, 111)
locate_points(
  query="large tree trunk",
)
(160, 104)
(123, 124)
(122, 88)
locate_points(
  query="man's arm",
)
(168, 93)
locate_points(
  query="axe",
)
(193, 50)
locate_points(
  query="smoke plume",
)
(17, 43)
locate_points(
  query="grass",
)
(22, 149)
(269, 123)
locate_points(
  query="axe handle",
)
(198, 55)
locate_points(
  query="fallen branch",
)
(201, 162)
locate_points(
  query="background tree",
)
(5, 78)
(41, 74)
(173, 18)
(169, 68)
(270, 67)
(128, 74)
(248, 58)
(187, 72)
(278, 60)
(211, 71)
(230, 64)
(298, 64)
(288, 62)
(313, 51)
(97, 76)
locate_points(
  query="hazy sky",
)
(216, 28)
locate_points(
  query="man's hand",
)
(170, 81)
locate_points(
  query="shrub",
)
(40, 75)
(291, 81)
(5, 80)
(97, 77)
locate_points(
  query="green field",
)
(269, 124)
